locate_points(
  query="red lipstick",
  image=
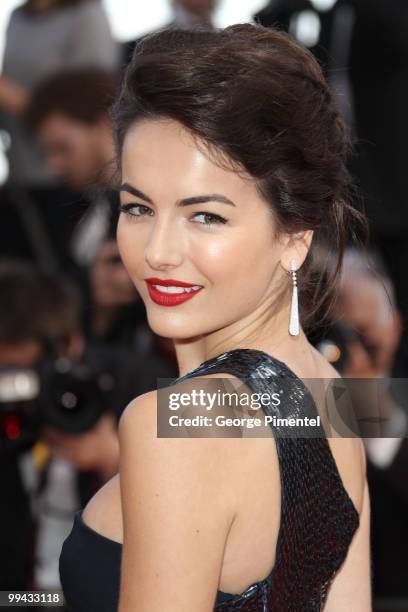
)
(170, 299)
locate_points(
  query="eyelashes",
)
(127, 208)
(215, 219)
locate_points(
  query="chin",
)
(176, 327)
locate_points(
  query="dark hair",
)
(35, 305)
(83, 94)
(259, 98)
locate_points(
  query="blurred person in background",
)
(186, 14)
(367, 308)
(69, 112)
(44, 37)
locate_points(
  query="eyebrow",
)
(201, 199)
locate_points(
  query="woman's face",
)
(184, 218)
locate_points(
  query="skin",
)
(364, 305)
(76, 151)
(13, 97)
(178, 504)
(23, 354)
(169, 241)
(96, 449)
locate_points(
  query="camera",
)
(69, 396)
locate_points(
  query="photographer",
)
(60, 446)
(69, 114)
(24, 320)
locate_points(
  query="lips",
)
(170, 299)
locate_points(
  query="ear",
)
(297, 247)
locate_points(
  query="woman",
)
(232, 159)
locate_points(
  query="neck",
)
(190, 353)
(257, 331)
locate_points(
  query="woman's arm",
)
(176, 515)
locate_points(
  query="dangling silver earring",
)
(294, 309)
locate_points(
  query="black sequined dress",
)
(318, 518)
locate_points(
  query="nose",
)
(164, 248)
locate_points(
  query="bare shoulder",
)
(138, 426)
(208, 457)
(142, 411)
(176, 513)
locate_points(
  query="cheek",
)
(212, 255)
(235, 259)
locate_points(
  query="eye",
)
(129, 208)
(211, 217)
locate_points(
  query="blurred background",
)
(75, 346)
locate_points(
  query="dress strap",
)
(263, 373)
(318, 518)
